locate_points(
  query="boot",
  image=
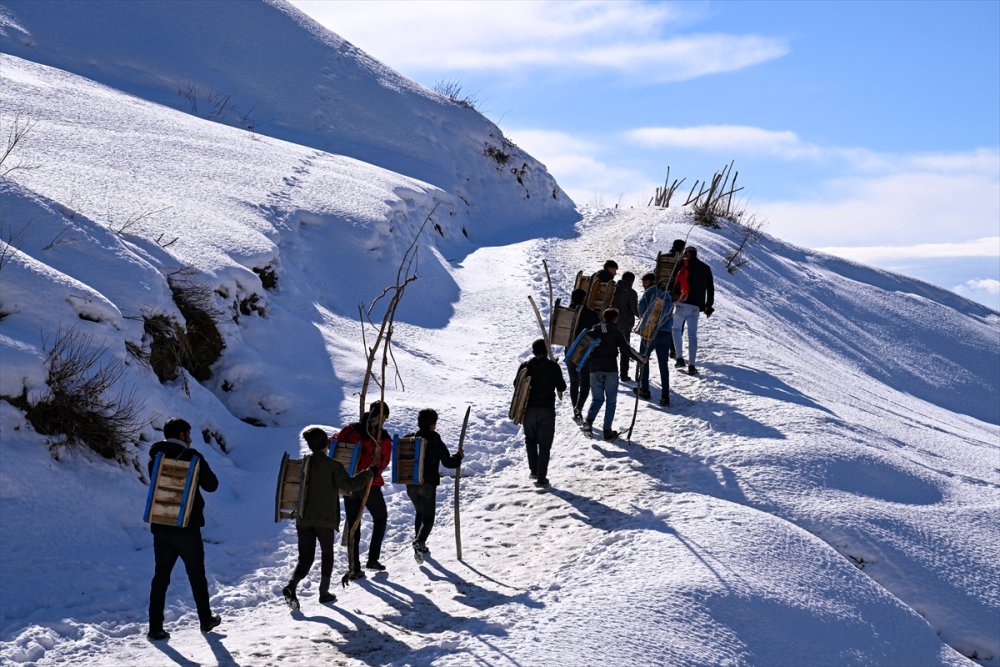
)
(289, 593)
(325, 596)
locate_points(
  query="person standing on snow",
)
(693, 289)
(579, 382)
(173, 542)
(376, 448)
(540, 414)
(626, 303)
(424, 496)
(676, 250)
(660, 343)
(603, 364)
(320, 518)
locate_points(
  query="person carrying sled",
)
(173, 542)
(320, 518)
(540, 414)
(660, 343)
(579, 382)
(607, 274)
(424, 496)
(603, 365)
(676, 250)
(376, 448)
(693, 289)
(626, 303)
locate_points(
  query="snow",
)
(825, 493)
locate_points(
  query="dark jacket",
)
(626, 301)
(588, 318)
(701, 285)
(327, 478)
(546, 379)
(435, 456)
(371, 452)
(604, 357)
(207, 481)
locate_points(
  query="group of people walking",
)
(688, 293)
(319, 520)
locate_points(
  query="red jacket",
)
(370, 451)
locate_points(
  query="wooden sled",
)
(580, 349)
(649, 326)
(408, 460)
(171, 491)
(293, 483)
(665, 265)
(519, 403)
(599, 295)
(346, 454)
(562, 324)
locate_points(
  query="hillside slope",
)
(825, 493)
(269, 69)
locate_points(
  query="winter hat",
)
(316, 438)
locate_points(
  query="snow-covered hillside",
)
(826, 493)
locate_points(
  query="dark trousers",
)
(625, 357)
(424, 499)
(380, 516)
(539, 432)
(307, 554)
(579, 387)
(169, 544)
(662, 349)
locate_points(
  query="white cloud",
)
(729, 138)
(626, 37)
(983, 290)
(882, 254)
(899, 209)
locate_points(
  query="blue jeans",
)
(603, 386)
(685, 312)
(661, 346)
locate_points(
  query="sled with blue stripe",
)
(293, 485)
(171, 491)
(579, 351)
(346, 454)
(408, 460)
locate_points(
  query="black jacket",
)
(604, 357)
(588, 318)
(546, 379)
(435, 456)
(207, 481)
(701, 285)
(627, 302)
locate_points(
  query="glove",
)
(459, 456)
(373, 468)
(708, 310)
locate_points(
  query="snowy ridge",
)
(826, 493)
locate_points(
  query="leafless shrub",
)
(663, 195)
(197, 304)
(79, 405)
(452, 89)
(17, 138)
(713, 200)
(10, 239)
(120, 228)
(189, 92)
(751, 227)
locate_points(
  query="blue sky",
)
(869, 129)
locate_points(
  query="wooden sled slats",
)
(519, 402)
(599, 295)
(665, 268)
(408, 460)
(171, 491)
(293, 483)
(563, 324)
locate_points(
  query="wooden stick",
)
(458, 476)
